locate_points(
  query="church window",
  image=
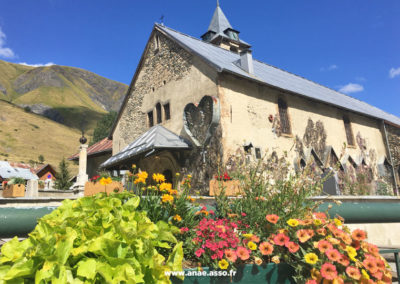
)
(258, 153)
(284, 116)
(349, 131)
(156, 42)
(167, 112)
(150, 118)
(158, 110)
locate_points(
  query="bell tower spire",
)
(221, 33)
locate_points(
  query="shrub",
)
(96, 239)
(63, 176)
(16, 180)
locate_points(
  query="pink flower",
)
(199, 252)
(244, 214)
(242, 253)
(184, 229)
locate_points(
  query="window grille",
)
(284, 117)
(167, 112)
(349, 131)
(150, 118)
(158, 110)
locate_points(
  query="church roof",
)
(101, 147)
(226, 61)
(157, 137)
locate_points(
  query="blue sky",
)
(347, 45)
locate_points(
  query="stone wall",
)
(394, 147)
(160, 66)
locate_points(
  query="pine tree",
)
(63, 176)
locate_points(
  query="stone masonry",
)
(394, 146)
(168, 62)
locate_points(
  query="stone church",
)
(194, 101)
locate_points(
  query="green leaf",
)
(64, 246)
(87, 268)
(22, 267)
(132, 203)
(174, 260)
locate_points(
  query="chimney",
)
(246, 61)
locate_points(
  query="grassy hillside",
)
(72, 96)
(24, 136)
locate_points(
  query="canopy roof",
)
(156, 138)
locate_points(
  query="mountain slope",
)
(69, 95)
(24, 136)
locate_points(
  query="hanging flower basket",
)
(92, 188)
(14, 190)
(231, 187)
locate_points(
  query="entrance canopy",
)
(156, 138)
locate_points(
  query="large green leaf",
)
(23, 267)
(87, 268)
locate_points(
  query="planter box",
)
(250, 273)
(14, 190)
(232, 187)
(94, 188)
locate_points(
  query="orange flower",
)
(319, 215)
(255, 239)
(381, 264)
(328, 271)
(266, 248)
(167, 198)
(258, 260)
(346, 239)
(292, 247)
(344, 260)
(303, 235)
(353, 272)
(310, 233)
(333, 254)
(358, 235)
(373, 249)
(177, 218)
(242, 253)
(316, 275)
(324, 245)
(370, 264)
(230, 255)
(378, 275)
(272, 218)
(281, 239)
(311, 281)
(275, 259)
(321, 231)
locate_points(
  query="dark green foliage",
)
(41, 159)
(27, 109)
(63, 176)
(103, 127)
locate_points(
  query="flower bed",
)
(145, 234)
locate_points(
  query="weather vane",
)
(217, 3)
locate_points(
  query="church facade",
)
(193, 102)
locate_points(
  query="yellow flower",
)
(293, 222)
(173, 191)
(247, 236)
(351, 251)
(177, 218)
(275, 259)
(337, 222)
(191, 199)
(177, 174)
(252, 245)
(158, 178)
(105, 181)
(189, 176)
(133, 166)
(317, 222)
(258, 260)
(165, 186)
(364, 274)
(167, 198)
(141, 177)
(311, 258)
(223, 264)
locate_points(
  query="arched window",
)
(284, 117)
(159, 114)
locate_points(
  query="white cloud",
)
(351, 88)
(361, 79)
(393, 72)
(36, 65)
(5, 51)
(329, 68)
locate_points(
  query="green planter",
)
(249, 273)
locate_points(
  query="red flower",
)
(292, 247)
(199, 252)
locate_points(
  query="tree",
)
(41, 159)
(63, 176)
(103, 127)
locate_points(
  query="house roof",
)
(43, 169)
(226, 61)
(157, 137)
(7, 171)
(103, 146)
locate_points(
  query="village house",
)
(193, 102)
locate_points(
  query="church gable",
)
(162, 62)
